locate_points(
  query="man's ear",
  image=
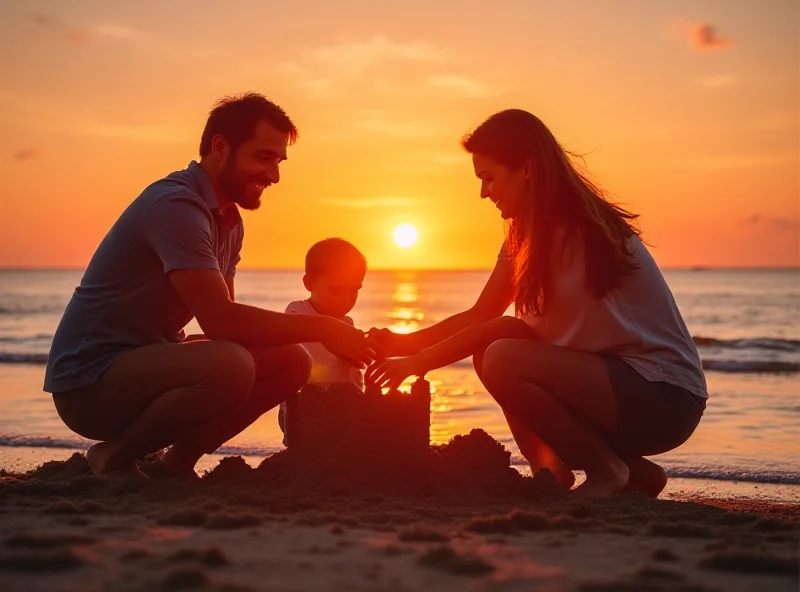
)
(307, 282)
(220, 147)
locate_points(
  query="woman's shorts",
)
(653, 417)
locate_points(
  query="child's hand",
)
(392, 373)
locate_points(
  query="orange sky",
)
(696, 128)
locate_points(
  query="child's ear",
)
(307, 282)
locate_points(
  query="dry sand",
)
(458, 518)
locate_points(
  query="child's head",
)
(335, 270)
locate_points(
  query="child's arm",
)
(457, 347)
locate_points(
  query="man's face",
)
(254, 166)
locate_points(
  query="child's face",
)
(334, 292)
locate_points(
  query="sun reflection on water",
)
(405, 316)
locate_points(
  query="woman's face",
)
(507, 188)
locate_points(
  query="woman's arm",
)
(456, 347)
(495, 298)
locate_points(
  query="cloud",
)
(387, 125)
(774, 224)
(361, 66)
(369, 202)
(25, 154)
(704, 37)
(747, 161)
(141, 133)
(124, 34)
(71, 35)
(324, 66)
(461, 85)
(776, 122)
(717, 81)
(447, 158)
(356, 58)
(54, 115)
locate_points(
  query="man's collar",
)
(206, 188)
(232, 216)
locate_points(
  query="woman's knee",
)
(497, 363)
(477, 362)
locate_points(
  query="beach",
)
(461, 519)
(728, 519)
(576, 219)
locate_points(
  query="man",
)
(120, 369)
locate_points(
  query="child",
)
(335, 270)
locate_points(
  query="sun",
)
(405, 235)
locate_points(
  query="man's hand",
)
(390, 344)
(350, 344)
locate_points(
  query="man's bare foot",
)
(604, 480)
(104, 466)
(176, 465)
(645, 477)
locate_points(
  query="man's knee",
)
(298, 367)
(232, 369)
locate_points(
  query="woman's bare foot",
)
(564, 476)
(645, 477)
(104, 466)
(604, 480)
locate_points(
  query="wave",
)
(24, 338)
(752, 366)
(715, 473)
(760, 343)
(82, 444)
(28, 310)
(728, 366)
(22, 358)
(775, 477)
(741, 363)
(682, 471)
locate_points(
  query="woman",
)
(597, 369)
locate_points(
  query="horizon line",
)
(453, 269)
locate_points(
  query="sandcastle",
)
(342, 418)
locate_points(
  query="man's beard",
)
(237, 189)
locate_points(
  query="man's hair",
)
(236, 118)
(332, 252)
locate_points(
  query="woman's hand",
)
(392, 373)
(390, 344)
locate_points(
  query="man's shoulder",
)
(178, 185)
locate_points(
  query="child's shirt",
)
(326, 368)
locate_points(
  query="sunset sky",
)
(688, 112)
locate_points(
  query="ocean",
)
(746, 324)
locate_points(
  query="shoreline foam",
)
(459, 516)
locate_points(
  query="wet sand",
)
(457, 518)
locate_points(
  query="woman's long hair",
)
(559, 196)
